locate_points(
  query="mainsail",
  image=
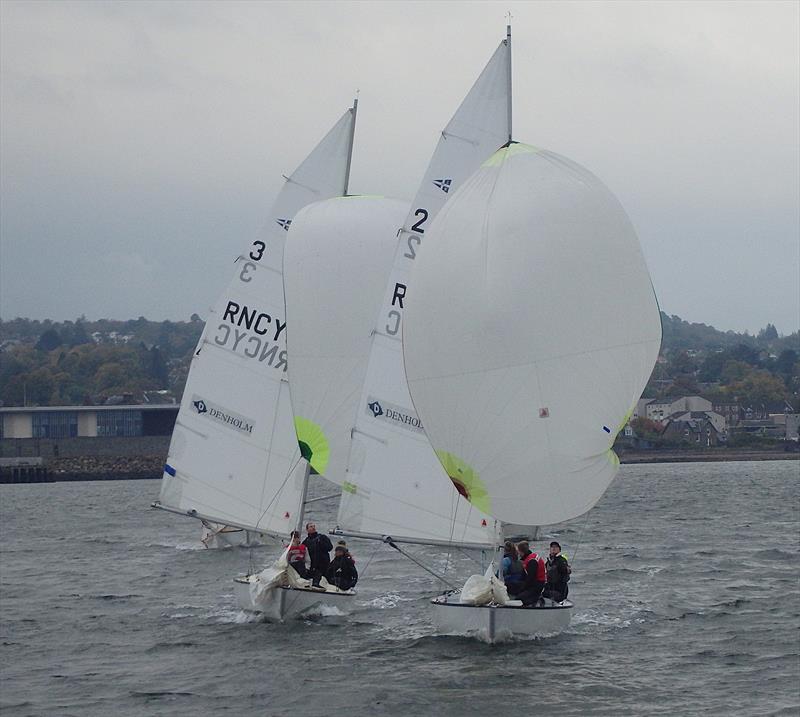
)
(234, 457)
(531, 332)
(392, 483)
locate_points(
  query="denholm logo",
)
(224, 416)
(395, 415)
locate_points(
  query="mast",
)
(354, 111)
(508, 45)
(301, 513)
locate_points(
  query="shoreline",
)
(149, 467)
(637, 457)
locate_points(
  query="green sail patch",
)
(313, 444)
(466, 480)
(504, 153)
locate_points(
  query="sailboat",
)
(349, 238)
(531, 332)
(351, 395)
(234, 462)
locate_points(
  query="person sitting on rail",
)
(296, 555)
(535, 575)
(558, 572)
(342, 571)
(513, 573)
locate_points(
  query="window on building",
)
(119, 423)
(55, 424)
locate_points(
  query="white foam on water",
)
(385, 602)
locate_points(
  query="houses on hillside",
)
(696, 421)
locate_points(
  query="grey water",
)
(686, 584)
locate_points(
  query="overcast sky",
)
(142, 143)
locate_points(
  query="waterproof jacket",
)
(558, 571)
(319, 550)
(513, 572)
(535, 575)
(342, 572)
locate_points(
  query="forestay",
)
(233, 457)
(394, 483)
(531, 333)
(335, 270)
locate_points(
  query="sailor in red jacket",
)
(535, 575)
(296, 555)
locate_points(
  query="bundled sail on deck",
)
(234, 457)
(392, 483)
(531, 332)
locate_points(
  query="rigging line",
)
(278, 492)
(275, 411)
(388, 540)
(580, 539)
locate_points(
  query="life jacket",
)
(541, 573)
(296, 554)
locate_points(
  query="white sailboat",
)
(531, 332)
(347, 380)
(234, 461)
(344, 238)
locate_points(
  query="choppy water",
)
(685, 583)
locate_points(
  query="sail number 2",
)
(413, 239)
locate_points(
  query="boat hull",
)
(287, 603)
(495, 623)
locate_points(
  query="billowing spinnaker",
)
(395, 485)
(530, 334)
(335, 269)
(234, 455)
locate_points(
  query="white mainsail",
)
(234, 456)
(531, 332)
(335, 269)
(393, 483)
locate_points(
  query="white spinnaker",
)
(233, 457)
(394, 483)
(335, 270)
(531, 334)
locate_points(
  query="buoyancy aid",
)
(541, 573)
(296, 554)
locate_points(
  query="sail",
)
(532, 331)
(335, 269)
(234, 456)
(394, 483)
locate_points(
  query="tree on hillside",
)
(49, 340)
(758, 388)
(768, 333)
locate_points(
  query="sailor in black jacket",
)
(319, 552)
(558, 572)
(342, 571)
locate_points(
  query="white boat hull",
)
(286, 603)
(495, 623)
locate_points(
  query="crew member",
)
(535, 575)
(558, 572)
(342, 571)
(319, 552)
(513, 572)
(296, 554)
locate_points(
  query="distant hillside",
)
(75, 362)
